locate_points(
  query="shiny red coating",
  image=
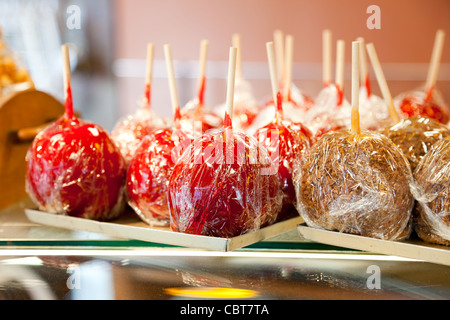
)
(74, 168)
(129, 133)
(149, 172)
(223, 186)
(412, 105)
(285, 141)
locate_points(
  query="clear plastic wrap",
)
(419, 103)
(432, 175)
(330, 112)
(205, 118)
(149, 173)
(373, 110)
(75, 169)
(286, 142)
(415, 136)
(298, 105)
(246, 107)
(129, 132)
(357, 184)
(224, 185)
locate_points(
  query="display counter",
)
(39, 262)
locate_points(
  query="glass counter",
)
(45, 263)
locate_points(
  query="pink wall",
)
(406, 36)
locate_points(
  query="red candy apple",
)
(426, 102)
(150, 168)
(286, 141)
(222, 186)
(75, 169)
(130, 132)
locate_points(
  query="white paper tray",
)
(412, 249)
(135, 229)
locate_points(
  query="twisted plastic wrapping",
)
(296, 109)
(75, 169)
(432, 217)
(327, 114)
(224, 186)
(149, 172)
(286, 142)
(374, 113)
(246, 108)
(415, 103)
(356, 184)
(415, 136)
(129, 132)
(298, 105)
(206, 119)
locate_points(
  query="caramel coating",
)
(357, 184)
(415, 136)
(432, 175)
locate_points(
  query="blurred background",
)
(108, 41)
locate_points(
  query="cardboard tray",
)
(413, 249)
(134, 229)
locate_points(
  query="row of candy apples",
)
(216, 186)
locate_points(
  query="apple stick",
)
(365, 78)
(238, 45)
(172, 81)
(230, 88)
(204, 46)
(68, 106)
(278, 39)
(289, 62)
(274, 80)
(382, 83)
(273, 70)
(356, 128)
(148, 73)
(340, 65)
(435, 63)
(327, 56)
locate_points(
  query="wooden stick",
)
(340, 64)
(172, 79)
(67, 82)
(382, 83)
(231, 84)
(238, 45)
(327, 56)
(363, 65)
(273, 70)
(149, 72)
(362, 59)
(278, 39)
(356, 128)
(204, 46)
(435, 60)
(288, 69)
(66, 68)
